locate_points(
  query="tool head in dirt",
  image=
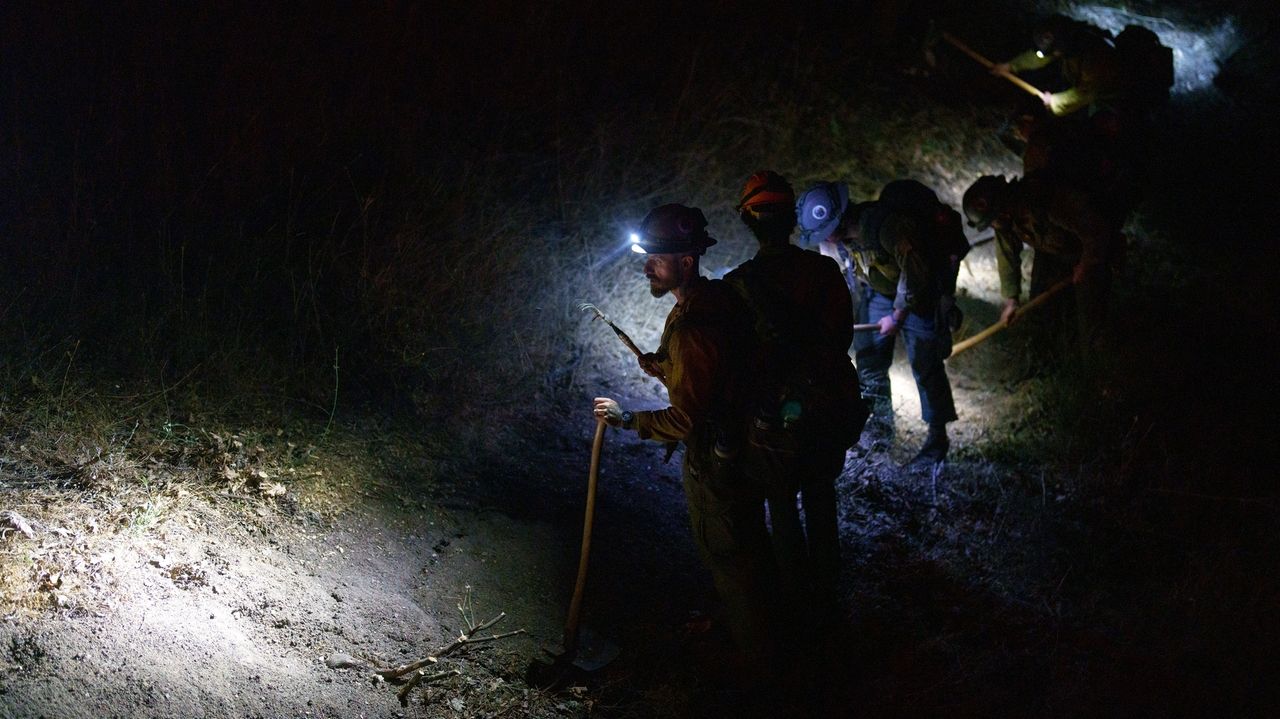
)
(591, 654)
(579, 651)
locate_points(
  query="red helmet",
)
(766, 192)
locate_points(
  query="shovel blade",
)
(592, 653)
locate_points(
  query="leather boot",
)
(880, 425)
(936, 445)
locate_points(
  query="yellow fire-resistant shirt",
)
(1094, 75)
(703, 356)
(1051, 218)
(893, 260)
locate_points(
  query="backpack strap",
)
(777, 318)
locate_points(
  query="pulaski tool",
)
(580, 647)
(599, 315)
(998, 326)
(588, 307)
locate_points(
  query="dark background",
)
(241, 171)
(243, 191)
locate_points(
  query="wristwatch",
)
(628, 419)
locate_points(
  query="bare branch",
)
(417, 673)
(422, 677)
(463, 639)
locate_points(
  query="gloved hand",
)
(649, 364)
(1009, 311)
(608, 411)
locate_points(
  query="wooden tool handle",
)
(1035, 302)
(959, 45)
(575, 604)
(625, 340)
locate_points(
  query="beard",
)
(659, 286)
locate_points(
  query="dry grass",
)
(101, 478)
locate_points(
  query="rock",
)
(16, 521)
(342, 660)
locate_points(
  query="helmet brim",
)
(811, 238)
(658, 246)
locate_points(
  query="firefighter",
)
(702, 358)
(807, 407)
(1086, 60)
(896, 265)
(1072, 238)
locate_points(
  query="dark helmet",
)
(819, 211)
(981, 200)
(1050, 32)
(1045, 40)
(672, 230)
(766, 193)
(859, 217)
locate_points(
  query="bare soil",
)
(971, 592)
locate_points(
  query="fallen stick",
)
(16, 522)
(421, 677)
(467, 637)
(986, 334)
(959, 45)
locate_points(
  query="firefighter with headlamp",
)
(706, 343)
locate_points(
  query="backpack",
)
(807, 392)
(1147, 63)
(946, 244)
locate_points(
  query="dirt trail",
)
(981, 593)
(241, 614)
(251, 634)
